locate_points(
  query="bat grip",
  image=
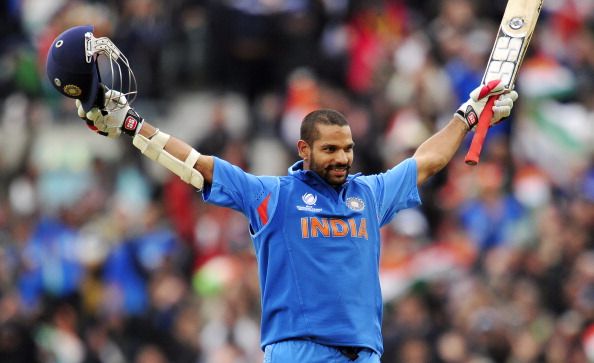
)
(474, 152)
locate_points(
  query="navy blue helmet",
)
(73, 67)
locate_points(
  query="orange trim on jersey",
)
(263, 210)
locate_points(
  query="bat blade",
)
(514, 35)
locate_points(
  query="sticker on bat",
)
(516, 23)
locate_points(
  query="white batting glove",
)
(114, 118)
(470, 111)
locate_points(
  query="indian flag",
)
(556, 136)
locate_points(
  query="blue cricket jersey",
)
(317, 247)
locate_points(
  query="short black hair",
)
(309, 132)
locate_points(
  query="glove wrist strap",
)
(468, 114)
(132, 123)
(459, 115)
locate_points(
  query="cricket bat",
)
(515, 32)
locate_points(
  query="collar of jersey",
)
(311, 177)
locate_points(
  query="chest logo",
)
(309, 199)
(356, 204)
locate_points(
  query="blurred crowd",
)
(107, 258)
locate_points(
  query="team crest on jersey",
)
(355, 203)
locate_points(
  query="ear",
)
(303, 149)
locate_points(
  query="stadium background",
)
(107, 258)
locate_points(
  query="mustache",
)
(346, 167)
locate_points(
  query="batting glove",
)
(470, 111)
(114, 118)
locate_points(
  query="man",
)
(316, 231)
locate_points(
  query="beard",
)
(333, 174)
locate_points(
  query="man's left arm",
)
(437, 151)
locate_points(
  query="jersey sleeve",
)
(394, 190)
(231, 187)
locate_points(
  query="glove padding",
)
(470, 111)
(115, 117)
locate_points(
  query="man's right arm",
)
(180, 150)
(253, 196)
(117, 117)
(236, 189)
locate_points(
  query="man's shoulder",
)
(284, 180)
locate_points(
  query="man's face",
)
(331, 154)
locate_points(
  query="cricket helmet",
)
(73, 67)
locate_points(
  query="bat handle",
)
(474, 152)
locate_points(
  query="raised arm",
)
(180, 150)
(117, 117)
(437, 151)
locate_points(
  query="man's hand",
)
(115, 117)
(470, 111)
